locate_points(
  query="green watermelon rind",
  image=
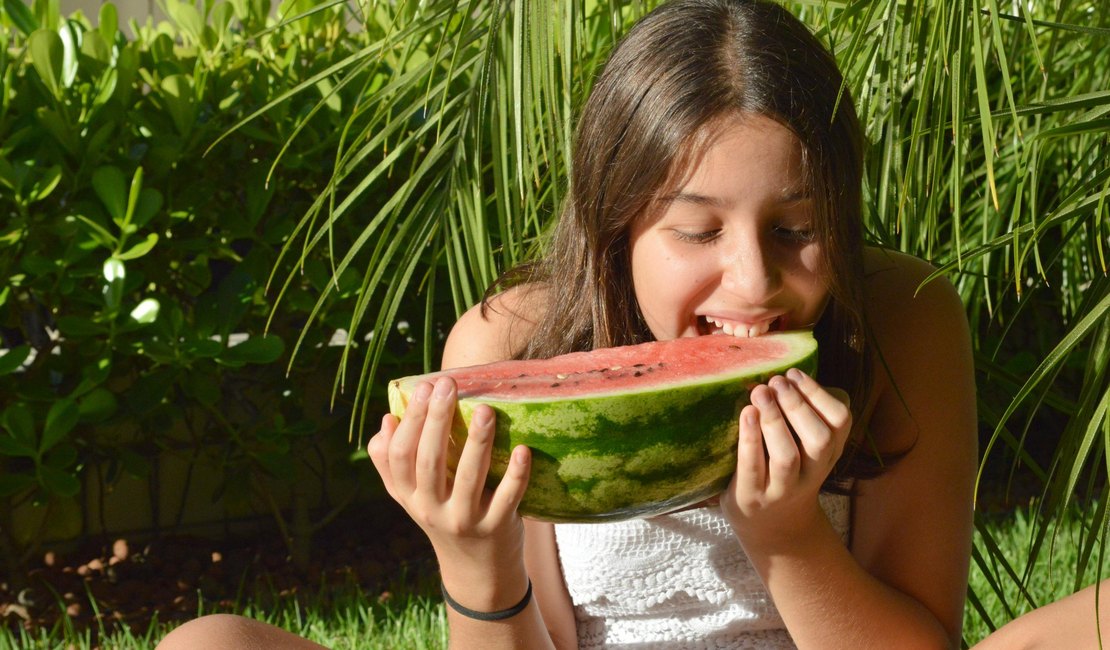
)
(638, 453)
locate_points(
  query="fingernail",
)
(761, 398)
(795, 374)
(520, 455)
(443, 388)
(482, 416)
(749, 418)
(422, 392)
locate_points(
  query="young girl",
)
(716, 191)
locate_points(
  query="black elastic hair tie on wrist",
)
(487, 616)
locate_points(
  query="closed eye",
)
(795, 235)
(696, 237)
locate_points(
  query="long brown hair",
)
(682, 67)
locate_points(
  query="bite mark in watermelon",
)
(623, 432)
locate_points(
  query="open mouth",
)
(711, 325)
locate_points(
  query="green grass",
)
(413, 617)
(996, 596)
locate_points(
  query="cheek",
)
(663, 279)
(809, 274)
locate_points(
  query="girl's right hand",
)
(474, 531)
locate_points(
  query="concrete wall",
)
(127, 9)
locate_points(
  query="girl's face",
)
(733, 249)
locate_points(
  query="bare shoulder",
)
(899, 300)
(494, 330)
(919, 332)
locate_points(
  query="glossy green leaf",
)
(48, 58)
(98, 405)
(13, 359)
(20, 424)
(187, 17)
(71, 35)
(202, 348)
(139, 249)
(108, 22)
(96, 48)
(80, 327)
(48, 12)
(62, 129)
(97, 232)
(179, 100)
(257, 349)
(133, 193)
(146, 311)
(111, 187)
(147, 207)
(21, 16)
(58, 482)
(60, 420)
(95, 373)
(44, 185)
(114, 270)
(12, 484)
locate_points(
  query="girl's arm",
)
(902, 583)
(478, 537)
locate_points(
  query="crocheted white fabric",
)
(676, 581)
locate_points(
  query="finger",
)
(470, 477)
(783, 458)
(378, 450)
(431, 455)
(814, 435)
(509, 492)
(405, 440)
(832, 404)
(751, 460)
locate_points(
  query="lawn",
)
(408, 613)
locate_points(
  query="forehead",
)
(742, 153)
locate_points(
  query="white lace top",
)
(676, 581)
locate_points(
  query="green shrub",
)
(136, 247)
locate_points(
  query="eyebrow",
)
(789, 196)
(696, 199)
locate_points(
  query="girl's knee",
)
(231, 632)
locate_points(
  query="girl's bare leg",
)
(1067, 624)
(230, 632)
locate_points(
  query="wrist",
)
(484, 615)
(794, 535)
(485, 588)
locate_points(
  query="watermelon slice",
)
(623, 432)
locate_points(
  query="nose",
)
(750, 272)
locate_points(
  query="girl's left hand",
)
(772, 498)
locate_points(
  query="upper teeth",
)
(741, 330)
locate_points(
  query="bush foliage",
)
(136, 247)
